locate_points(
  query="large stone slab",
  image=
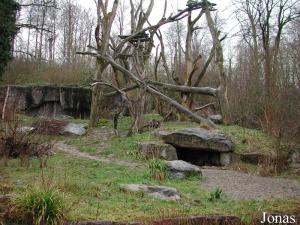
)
(150, 149)
(75, 129)
(199, 139)
(161, 192)
(194, 220)
(181, 169)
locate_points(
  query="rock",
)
(252, 158)
(160, 133)
(217, 119)
(295, 157)
(200, 139)
(161, 192)
(181, 169)
(200, 146)
(295, 168)
(75, 129)
(25, 129)
(295, 162)
(225, 159)
(157, 150)
(195, 220)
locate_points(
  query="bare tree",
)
(105, 19)
(268, 19)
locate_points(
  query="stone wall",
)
(50, 101)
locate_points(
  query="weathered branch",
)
(180, 15)
(31, 26)
(130, 88)
(26, 53)
(152, 91)
(5, 102)
(197, 90)
(204, 107)
(39, 5)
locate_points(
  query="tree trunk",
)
(222, 89)
(97, 96)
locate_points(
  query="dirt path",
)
(72, 150)
(242, 186)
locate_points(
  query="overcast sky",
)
(224, 8)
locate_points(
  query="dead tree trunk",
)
(222, 89)
(104, 21)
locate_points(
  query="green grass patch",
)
(93, 188)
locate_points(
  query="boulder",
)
(160, 133)
(217, 119)
(215, 220)
(25, 129)
(75, 129)
(295, 157)
(295, 162)
(157, 150)
(253, 158)
(161, 192)
(225, 159)
(181, 169)
(200, 139)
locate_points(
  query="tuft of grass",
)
(41, 206)
(157, 169)
(217, 194)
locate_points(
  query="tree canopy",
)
(8, 10)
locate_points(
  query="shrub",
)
(157, 169)
(217, 194)
(49, 126)
(273, 165)
(18, 143)
(41, 206)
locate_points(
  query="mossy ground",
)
(92, 189)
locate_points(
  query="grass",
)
(93, 188)
(41, 206)
(250, 140)
(157, 169)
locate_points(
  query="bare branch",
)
(204, 107)
(196, 90)
(31, 26)
(153, 91)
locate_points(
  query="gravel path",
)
(72, 150)
(242, 186)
